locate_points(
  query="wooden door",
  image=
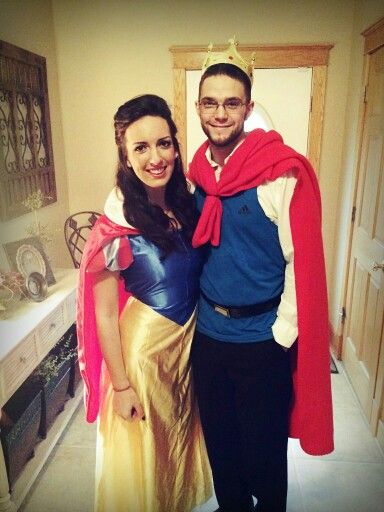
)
(363, 351)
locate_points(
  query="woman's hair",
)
(231, 71)
(138, 210)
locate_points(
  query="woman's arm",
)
(125, 402)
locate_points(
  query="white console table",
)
(25, 339)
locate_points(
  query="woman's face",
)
(150, 151)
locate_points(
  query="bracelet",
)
(122, 389)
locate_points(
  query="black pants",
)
(244, 392)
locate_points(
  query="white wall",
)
(110, 51)
(101, 53)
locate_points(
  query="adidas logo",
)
(244, 210)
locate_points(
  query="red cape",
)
(90, 356)
(264, 157)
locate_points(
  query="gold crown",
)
(229, 56)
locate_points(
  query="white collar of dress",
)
(113, 208)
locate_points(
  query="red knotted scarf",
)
(264, 157)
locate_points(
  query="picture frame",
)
(27, 255)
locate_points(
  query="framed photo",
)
(27, 256)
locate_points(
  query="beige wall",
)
(107, 52)
(29, 24)
(367, 13)
(110, 51)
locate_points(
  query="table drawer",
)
(51, 329)
(19, 364)
(71, 307)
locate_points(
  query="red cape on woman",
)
(90, 356)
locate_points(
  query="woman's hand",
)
(125, 401)
(127, 405)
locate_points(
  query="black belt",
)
(243, 311)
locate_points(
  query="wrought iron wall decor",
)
(26, 157)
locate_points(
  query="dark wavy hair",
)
(138, 210)
(231, 71)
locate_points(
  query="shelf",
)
(43, 450)
(26, 338)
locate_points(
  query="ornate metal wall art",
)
(26, 157)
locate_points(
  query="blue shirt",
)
(248, 267)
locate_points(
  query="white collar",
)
(214, 164)
(113, 208)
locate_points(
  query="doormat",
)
(333, 366)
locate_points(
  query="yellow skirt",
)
(160, 464)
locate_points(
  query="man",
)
(263, 305)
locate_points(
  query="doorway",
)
(286, 113)
(363, 340)
(268, 57)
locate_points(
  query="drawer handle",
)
(52, 326)
(23, 359)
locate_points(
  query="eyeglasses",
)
(230, 106)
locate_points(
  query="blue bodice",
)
(169, 285)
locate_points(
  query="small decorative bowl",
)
(36, 285)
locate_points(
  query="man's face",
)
(223, 126)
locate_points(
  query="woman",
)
(136, 315)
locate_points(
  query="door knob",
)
(378, 266)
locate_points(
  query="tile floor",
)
(351, 479)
